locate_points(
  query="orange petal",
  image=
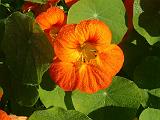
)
(92, 79)
(66, 43)
(53, 16)
(64, 74)
(4, 116)
(94, 32)
(70, 2)
(111, 59)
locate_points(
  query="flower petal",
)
(53, 16)
(92, 79)
(111, 59)
(4, 116)
(94, 32)
(66, 43)
(64, 74)
(70, 2)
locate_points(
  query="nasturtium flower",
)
(37, 8)
(51, 21)
(69, 3)
(85, 58)
(4, 115)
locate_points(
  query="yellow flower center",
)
(88, 52)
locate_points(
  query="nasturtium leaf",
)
(4, 11)
(145, 97)
(111, 12)
(27, 50)
(2, 28)
(113, 113)
(52, 98)
(153, 101)
(131, 53)
(38, 1)
(24, 95)
(47, 83)
(155, 92)
(150, 114)
(28, 55)
(121, 93)
(146, 19)
(58, 114)
(147, 74)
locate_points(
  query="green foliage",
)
(147, 75)
(122, 93)
(111, 12)
(52, 98)
(38, 1)
(58, 114)
(150, 114)
(146, 19)
(28, 55)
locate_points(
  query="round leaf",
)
(58, 114)
(111, 12)
(146, 19)
(121, 93)
(150, 114)
(52, 98)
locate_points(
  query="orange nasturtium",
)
(69, 3)
(85, 58)
(51, 21)
(4, 115)
(37, 8)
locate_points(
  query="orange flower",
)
(4, 116)
(37, 8)
(86, 59)
(69, 3)
(51, 21)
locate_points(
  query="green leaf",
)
(38, 1)
(52, 98)
(2, 29)
(147, 74)
(133, 51)
(47, 83)
(150, 114)
(121, 93)
(25, 95)
(27, 50)
(4, 11)
(58, 114)
(145, 97)
(155, 92)
(28, 55)
(111, 12)
(146, 19)
(113, 113)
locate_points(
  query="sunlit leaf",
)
(58, 114)
(146, 19)
(52, 98)
(122, 93)
(112, 12)
(150, 114)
